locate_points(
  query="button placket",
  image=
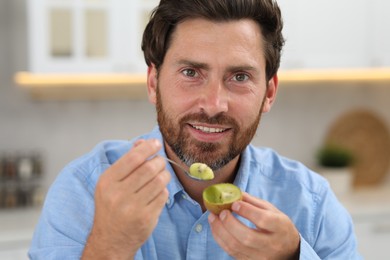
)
(197, 241)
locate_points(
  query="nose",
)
(214, 98)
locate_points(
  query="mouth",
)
(209, 130)
(208, 133)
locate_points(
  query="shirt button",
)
(198, 228)
(184, 196)
(168, 201)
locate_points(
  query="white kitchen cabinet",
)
(370, 211)
(19, 253)
(336, 33)
(105, 35)
(373, 232)
(16, 230)
(378, 33)
(80, 36)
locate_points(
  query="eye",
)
(241, 77)
(190, 73)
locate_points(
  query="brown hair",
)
(169, 13)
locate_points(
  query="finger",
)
(223, 237)
(159, 201)
(265, 220)
(227, 238)
(155, 207)
(144, 174)
(285, 240)
(138, 142)
(152, 189)
(133, 159)
(258, 202)
(252, 238)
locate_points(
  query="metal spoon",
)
(188, 173)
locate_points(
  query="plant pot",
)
(340, 179)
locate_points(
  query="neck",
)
(194, 188)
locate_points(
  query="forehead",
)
(201, 39)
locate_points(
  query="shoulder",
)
(106, 153)
(86, 169)
(81, 174)
(278, 166)
(290, 176)
(299, 192)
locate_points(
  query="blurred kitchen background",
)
(72, 75)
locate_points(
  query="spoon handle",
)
(178, 165)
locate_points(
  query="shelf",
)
(83, 86)
(133, 86)
(336, 76)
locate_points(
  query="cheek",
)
(178, 100)
(176, 105)
(247, 109)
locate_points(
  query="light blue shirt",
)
(183, 231)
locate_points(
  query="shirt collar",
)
(242, 176)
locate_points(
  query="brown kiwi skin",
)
(217, 208)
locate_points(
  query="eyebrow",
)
(241, 68)
(205, 66)
(194, 64)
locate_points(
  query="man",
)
(212, 72)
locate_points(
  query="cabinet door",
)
(87, 35)
(373, 236)
(69, 36)
(14, 254)
(325, 34)
(378, 33)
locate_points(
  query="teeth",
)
(209, 129)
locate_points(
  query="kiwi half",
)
(220, 196)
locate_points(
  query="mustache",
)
(202, 117)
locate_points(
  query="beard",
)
(190, 150)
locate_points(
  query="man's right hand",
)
(129, 198)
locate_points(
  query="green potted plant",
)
(334, 156)
(335, 163)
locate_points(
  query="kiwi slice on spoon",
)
(201, 171)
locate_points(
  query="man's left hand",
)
(275, 236)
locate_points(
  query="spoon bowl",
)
(197, 171)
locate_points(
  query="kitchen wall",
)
(64, 130)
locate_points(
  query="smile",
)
(208, 129)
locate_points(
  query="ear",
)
(270, 93)
(152, 83)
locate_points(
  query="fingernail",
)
(236, 206)
(223, 214)
(211, 218)
(156, 142)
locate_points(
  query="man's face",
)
(211, 90)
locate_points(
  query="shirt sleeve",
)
(333, 235)
(307, 252)
(66, 218)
